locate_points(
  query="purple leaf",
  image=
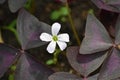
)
(2, 1)
(64, 76)
(102, 5)
(111, 66)
(7, 57)
(29, 69)
(29, 29)
(84, 64)
(94, 77)
(117, 37)
(14, 5)
(113, 2)
(96, 37)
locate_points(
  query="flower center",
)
(55, 38)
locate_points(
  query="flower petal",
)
(51, 47)
(62, 45)
(46, 37)
(55, 28)
(63, 37)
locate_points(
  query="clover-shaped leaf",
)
(84, 64)
(7, 57)
(96, 37)
(29, 29)
(111, 65)
(29, 69)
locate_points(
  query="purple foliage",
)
(97, 51)
(110, 5)
(27, 67)
(15, 5)
(83, 64)
(94, 41)
(98, 57)
(29, 29)
(32, 69)
(111, 65)
(7, 57)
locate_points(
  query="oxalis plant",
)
(96, 58)
(27, 67)
(97, 50)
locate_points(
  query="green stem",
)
(72, 24)
(55, 58)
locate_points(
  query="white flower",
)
(55, 39)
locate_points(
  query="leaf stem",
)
(72, 24)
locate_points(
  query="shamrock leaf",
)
(29, 29)
(84, 64)
(96, 37)
(27, 67)
(30, 69)
(110, 67)
(7, 56)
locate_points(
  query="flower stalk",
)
(55, 57)
(72, 24)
